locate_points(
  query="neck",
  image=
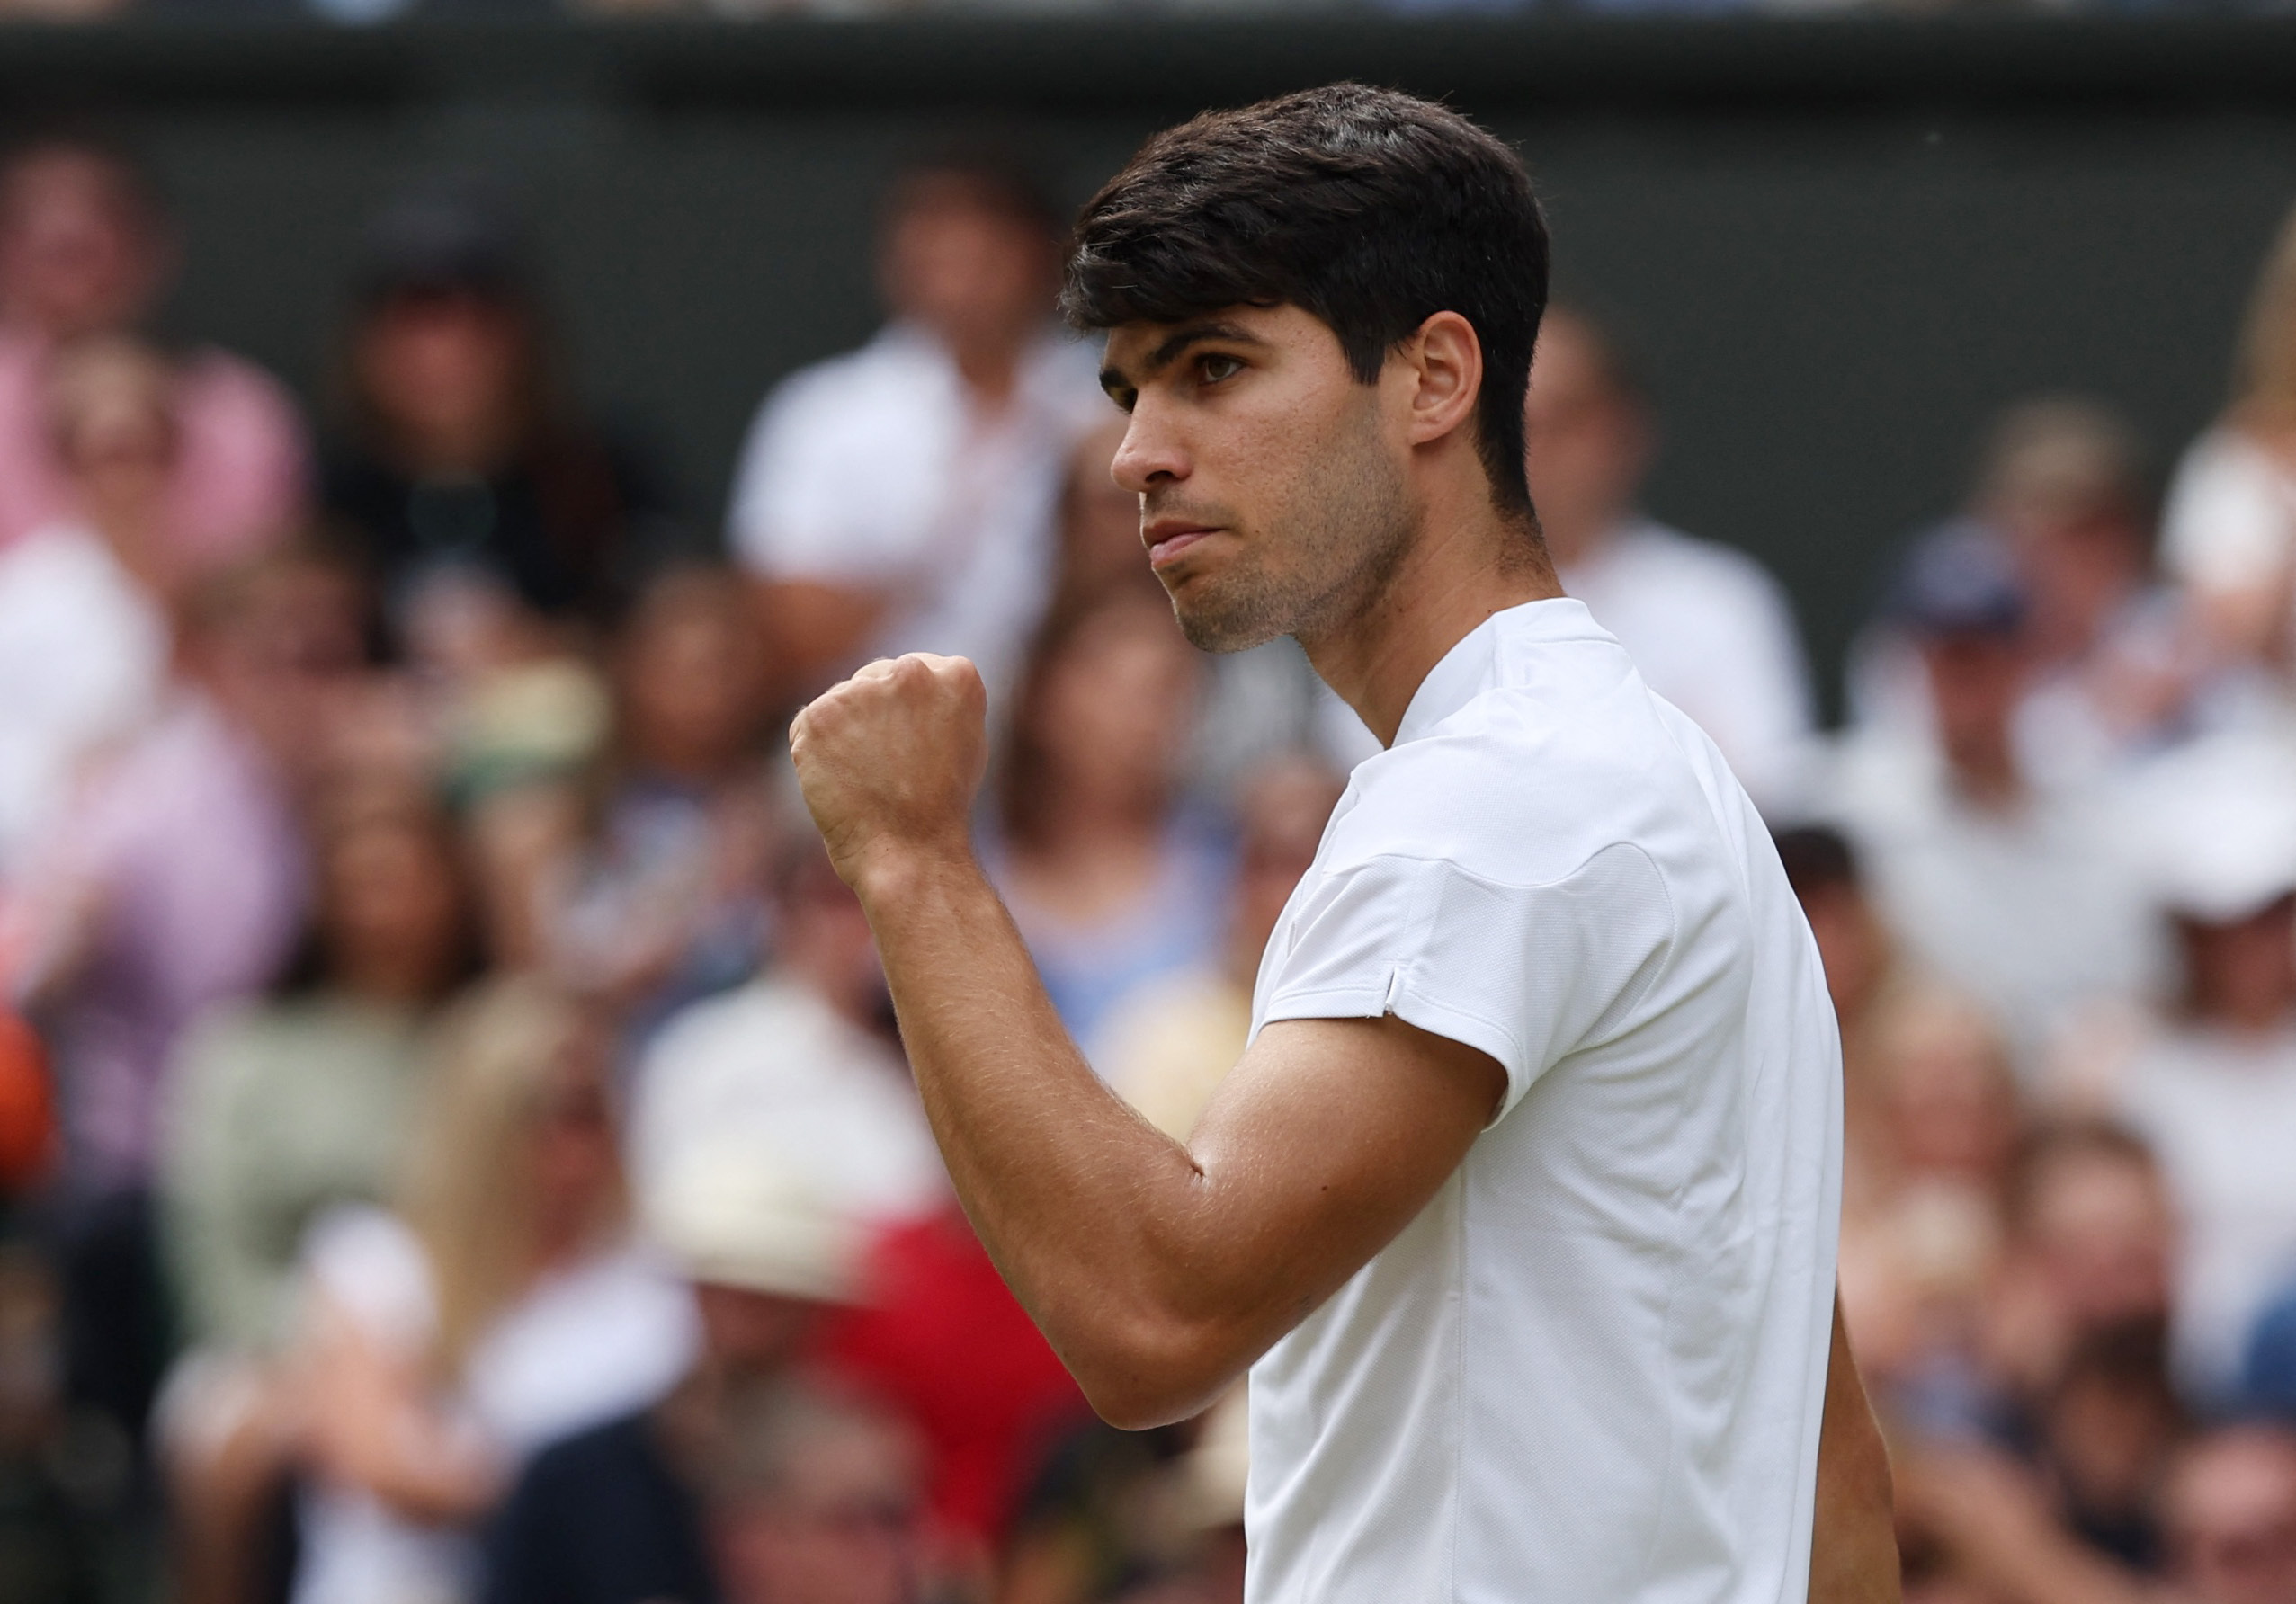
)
(1464, 566)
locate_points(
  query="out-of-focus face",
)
(1282, 817)
(751, 1333)
(843, 1528)
(1976, 679)
(286, 659)
(390, 899)
(1851, 946)
(1114, 713)
(1275, 495)
(1951, 1109)
(576, 1157)
(2231, 1518)
(976, 273)
(692, 683)
(112, 415)
(1586, 442)
(1099, 520)
(2243, 973)
(78, 252)
(440, 368)
(2100, 1228)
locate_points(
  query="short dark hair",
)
(1368, 208)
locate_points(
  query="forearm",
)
(1104, 1226)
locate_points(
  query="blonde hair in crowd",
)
(2264, 386)
(469, 1192)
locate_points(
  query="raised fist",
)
(889, 760)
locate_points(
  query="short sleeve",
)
(1526, 974)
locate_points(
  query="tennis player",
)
(1520, 1207)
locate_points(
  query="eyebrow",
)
(1175, 345)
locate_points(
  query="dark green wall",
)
(1840, 245)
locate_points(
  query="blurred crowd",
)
(455, 1143)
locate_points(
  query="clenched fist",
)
(889, 760)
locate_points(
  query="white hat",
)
(731, 1216)
(2215, 828)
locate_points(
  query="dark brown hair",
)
(1369, 208)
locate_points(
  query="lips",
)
(1171, 543)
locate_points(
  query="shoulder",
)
(891, 368)
(735, 1022)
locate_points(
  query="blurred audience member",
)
(2009, 890)
(2211, 1084)
(801, 1059)
(663, 905)
(614, 1514)
(2229, 530)
(490, 509)
(85, 630)
(2229, 1509)
(1112, 883)
(176, 885)
(813, 1500)
(902, 497)
(1172, 1041)
(1710, 630)
(86, 249)
(502, 1307)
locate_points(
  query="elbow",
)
(1154, 1375)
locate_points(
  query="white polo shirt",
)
(1592, 1370)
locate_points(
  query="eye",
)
(1215, 367)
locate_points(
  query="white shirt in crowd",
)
(595, 1341)
(773, 1064)
(2230, 521)
(1713, 633)
(1594, 1367)
(82, 659)
(2221, 1113)
(874, 470)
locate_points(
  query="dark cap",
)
(442, 241)
(1959, 580)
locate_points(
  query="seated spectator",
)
(614, 1515)
(1112, 882)
(813, 1500)
(662, 903)
(504, 1307)
(1710, 630)
(902, 497)
(86, 249)
(2229, 1509)
(176, 885)
(1170, 1043)
(802, 1059)
(2060, 488)
(85, 630)
(485, 502)
(281, 1110)
(2212, 1083)
(2010, 891)
(2229, 530)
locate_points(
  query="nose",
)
(1150, 455)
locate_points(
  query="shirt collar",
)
(1471, 667)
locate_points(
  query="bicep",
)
(1325, 1140)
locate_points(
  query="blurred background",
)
(453, 1143)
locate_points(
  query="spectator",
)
(2008, 890)
(84, 632)
(814, 1500)
(1112, 883)
(284, 1109)
(85, 249)
(902, 497)
(487, 504)
(613, 1515)
(662, 902)
(177, 884)
(2230, 1513)
(2229, 531)
(800, 1059)
(1171, 1042)
(1707, 626)
(2212, 1083)
(502, 1307)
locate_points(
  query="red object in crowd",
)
(944, 1341)
(27, 1108)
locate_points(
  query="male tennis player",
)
(1519, 1206)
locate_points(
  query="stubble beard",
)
(1323, 559)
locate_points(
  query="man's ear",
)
(1445, 364)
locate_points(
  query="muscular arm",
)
(1157, 1271)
